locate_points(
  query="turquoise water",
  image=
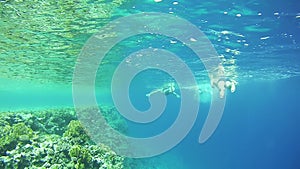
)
(257, 41)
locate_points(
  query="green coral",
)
(114, 119)
(76, 133)
(28, 140)
(21, 132)
(81, 157)
(54, 121)
(11, 136)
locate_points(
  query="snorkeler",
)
(218, 79)
(169, 89)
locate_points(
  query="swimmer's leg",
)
(232, 89)
(221, 87)
(211, 81)
(222, 93)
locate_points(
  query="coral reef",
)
(51, 139)
(11, 136)
(114, 119)
(76, 134)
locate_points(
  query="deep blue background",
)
(260, 129)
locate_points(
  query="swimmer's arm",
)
(177, 95)
(154, 91)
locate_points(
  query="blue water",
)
(260, 127)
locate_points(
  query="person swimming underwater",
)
(218, 79)
(167, 90)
